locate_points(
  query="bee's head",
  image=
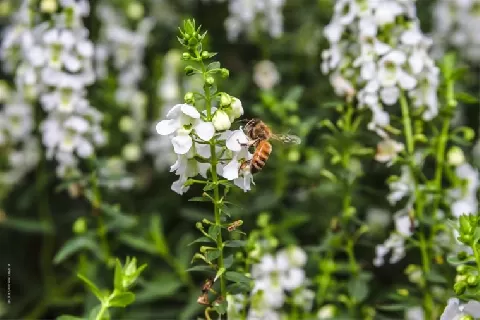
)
(251, 123)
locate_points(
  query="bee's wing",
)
(287, 138)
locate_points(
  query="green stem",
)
(96, 205)
(419, 208)
(101, 312)
(215, 180)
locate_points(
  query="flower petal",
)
(204, 130)
(166, 127)
(182, 143)
(190, 111)
(237, 138)
(230, 171)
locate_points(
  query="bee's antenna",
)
(243, 120)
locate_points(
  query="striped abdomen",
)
(260, 157)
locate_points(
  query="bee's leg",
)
(243, 165)
(248, 144)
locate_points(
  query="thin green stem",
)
(215, 182)
(96, 204)
(419, 206)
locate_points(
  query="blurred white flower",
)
(401, 187)
(414, 313)
(456, 23)
(464, 198)
(387, 150)
(456, 310)
(265, 74)
(114, 175)
(246, 15)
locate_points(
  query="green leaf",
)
(436, 277)
(118, 276)
(212, 255)
(27, 225)
(228, 261)
(69, 317)
(294, 94)
(138, 243)
(201, 268)
(157, 234)
(213, 65)
(93, 288)
(453, 259)
(221, 307)
(214, 231)
(237, 277)
(238, 287)
(394, 307)
(199, 199)
(235, 243)
(74, 245)
(201, 239)
(163, 285)
(358, 289)
(122, 299)
(466, 97)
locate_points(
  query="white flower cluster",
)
(456, 23)
(246, 14)
(395, 243)
(377, 50)
(456, 310)
(168, 92)
(126, 47)
(190, 133)
(55, 64)
(273, 277)
(16, 137)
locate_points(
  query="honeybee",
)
(259, 135)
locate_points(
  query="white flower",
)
(455, 310)
(181, 120)
(221, 120)
(236, 109)
(266, 75)
(387, 150)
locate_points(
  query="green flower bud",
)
(455, 156)
(210, 80)
(131, 152)
(189, 98)
(293, 155)
(189, 70)
(199, 225)
(466, 239)
(466, 317)
(80, 225)
(126, 124)
(263, 220)
(48, 6)
(461, 269)
(186, 56)
(225, 100)
(135, 10)
(224, 72)
(460, 287)
(472, 281)
(205, 54)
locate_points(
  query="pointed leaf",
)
(122, 300)
(93, 288)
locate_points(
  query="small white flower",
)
(455, 310)
(266, 75)
(387, 150)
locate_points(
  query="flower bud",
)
(460, 287)
(466, 317)
(461, 269)
(327, 312)
(186, 56)
(225, 100)
(205, 54)
(48, 6)
(80, 226)
(455, 156)
(472, 280)
(210, 80)
(189, 98)
(131, 152)
(221, 120)
(224, 72)
(199, 225)
(135, 10)
(236, 109)
(126, 124)
(189, 70)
